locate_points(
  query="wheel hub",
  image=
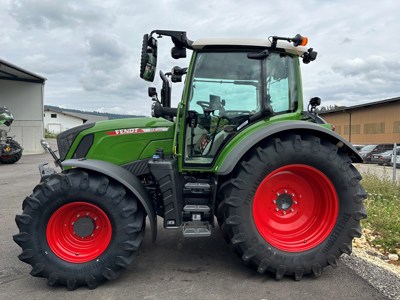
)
(84, 227)
(284, 202)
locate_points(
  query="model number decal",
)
(137, 130)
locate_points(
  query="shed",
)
(22, 92)
(57, 119)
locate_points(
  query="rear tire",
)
(292, 206)
(12, 159)
(79, 229)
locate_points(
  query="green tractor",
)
(238, 150)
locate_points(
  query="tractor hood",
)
(117, 141)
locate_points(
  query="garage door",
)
(54, 128)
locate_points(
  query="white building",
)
(57, 120)
(22, 92)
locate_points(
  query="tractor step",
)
(196, 208)
(197, 187)
(196, 229)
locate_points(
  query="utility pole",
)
(394, 159)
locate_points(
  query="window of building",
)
(374, 128)
(53, 116)
(396, 127)
(355, 129)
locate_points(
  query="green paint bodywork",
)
(126, 148)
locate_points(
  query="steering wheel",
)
(204, 104)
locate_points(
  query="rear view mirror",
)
(148, 59)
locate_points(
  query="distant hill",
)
(110, 116)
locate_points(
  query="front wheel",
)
(79, 228)
(293, 206)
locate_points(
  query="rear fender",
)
(130, 181)
(281, 127)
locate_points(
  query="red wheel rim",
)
(78, 232)
(295, 208)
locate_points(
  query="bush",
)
(383, 208)
(49, 135)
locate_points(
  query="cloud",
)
(43, 64)
(48, 14)
(105, 47)
(89, 50)
(358, 80)
(370, 68)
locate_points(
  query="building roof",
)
(8, 71)
(361, 106)
(86, 117)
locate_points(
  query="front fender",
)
(130, 181)
(280, 127)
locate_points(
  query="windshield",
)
(227, 88)
(368, 148)
(231, 77)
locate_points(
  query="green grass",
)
(383, 208)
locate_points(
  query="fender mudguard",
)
(130, 181)
(275, 129)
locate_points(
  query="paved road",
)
(172, 268)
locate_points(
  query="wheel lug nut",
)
(285, 191)
(277, 194)
(277, 209)
(293, 195)
(284, 212)
(274, 201)
(294, 202)
(292, 210)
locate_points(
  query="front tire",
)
(79, 228)
(293, 206)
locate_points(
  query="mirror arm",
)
(178, 37)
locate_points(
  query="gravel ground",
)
(380, 277)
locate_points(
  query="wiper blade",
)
(260, 55)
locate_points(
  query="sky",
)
(89, 51)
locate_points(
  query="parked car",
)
(367, 152)
(358, 147)
(384, 158)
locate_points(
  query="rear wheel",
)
(293, 206)
(79, 229)
(11, 159)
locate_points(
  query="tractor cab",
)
(232, 84)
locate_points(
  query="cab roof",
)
(262, 43)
